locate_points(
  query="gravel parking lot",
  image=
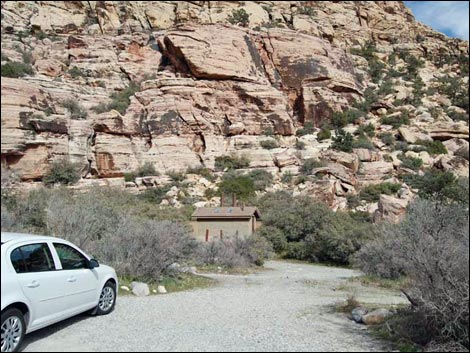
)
(285, 308)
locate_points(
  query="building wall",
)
(229, 228)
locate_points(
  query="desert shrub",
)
(368, 130)
(455, 90)
(310, 164)
(306, 10)
(457, 116)
(235, 252)
(202, 171)
(241, 185)
(363, 142)
(16, 69)
(370, 97)
(410, 162)
(396, 121)
(77, 72)
(287, 177)
(145, 249)
(155, 195)
(338, 240)
(262, 179)
(367, 50)
(462, 152)
(177, 177)
(304, 229)
(147, 169)
(341, 119)
(371, 193)
(269, 144)
(75, 109)
(231, 162)
(432, 147)
(343, 141)
(239, 16)
(24, 213)
(387, 138)
(62, 172)
(82, 219)
(120, 101)
(300, 145)
(386, 88)
(308, 129)
(430, 247)
(27, 57)
(324, 134)
(439, 185)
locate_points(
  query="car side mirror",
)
(92, 264)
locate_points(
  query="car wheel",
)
(107, 299)
(13, 330)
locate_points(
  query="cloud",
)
(450, 17)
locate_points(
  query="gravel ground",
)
(285, 308)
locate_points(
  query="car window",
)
(32, 258)
(70, 258)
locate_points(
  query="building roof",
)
(226, 212)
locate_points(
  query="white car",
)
(46, 280)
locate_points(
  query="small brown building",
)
(211, 223)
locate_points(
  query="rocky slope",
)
(204, 82)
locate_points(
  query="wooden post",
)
(234, 200)
(221, 234)
(207, 235)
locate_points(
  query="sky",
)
(449, 17)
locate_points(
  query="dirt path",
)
(286, 308)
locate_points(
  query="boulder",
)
(366, 155)
(390, 209)
(140, 289)
(455, 144)
(349, 160)
(412, 135)
(161, 290)
(376, 317)
(358, 313)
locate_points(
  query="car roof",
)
(20, 237)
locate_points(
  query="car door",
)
(81, 283)
(41, 283)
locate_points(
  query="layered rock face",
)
(210, 86)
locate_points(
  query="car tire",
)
(107, 299)
(13, 328)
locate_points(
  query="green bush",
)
(396, 121)
(77, 72)
(269, 144)
(411, 162)
(308, 129)
(363, 142)
(120, 101)
(62, 172)
(432, 147)
(262, 179)
(241, 185)
(343, 141)
(370, 97)
(457, 116)
(147, 169)
(306, 10)
(155, 195)
(301, 228)
(324, 134)
(75, 109)
(310, 164)
(371, 193)
(239, 16)
(16, 69)
(368, 130)
(387, 138)
(231, 162)
(177, 177)
(202, 171)
(300, 145)
(341, 119)
(287, 178)
(439, 185)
